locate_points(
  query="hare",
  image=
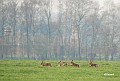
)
(45, 64)
(74, 64)
(60, 63)
(92, 65)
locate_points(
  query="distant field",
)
(30, 70)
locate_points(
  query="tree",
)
(47, 4)
(80, 9)
(2, 24)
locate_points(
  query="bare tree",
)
(2, 24)
(47, 4)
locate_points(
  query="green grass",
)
(30, 70)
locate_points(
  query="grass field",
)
(30, 70)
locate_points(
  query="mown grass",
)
(30, 70)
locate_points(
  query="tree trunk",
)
(2, 25)
(79, 45)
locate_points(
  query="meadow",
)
(31, 70)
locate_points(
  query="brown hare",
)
(74, 64)
(45, 64)
(91, 64)
(60, 63)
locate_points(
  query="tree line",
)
(79, 29)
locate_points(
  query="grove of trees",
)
(79, 29)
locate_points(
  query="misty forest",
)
(59, 30)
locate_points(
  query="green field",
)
(30, 70)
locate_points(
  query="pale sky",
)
(102, 1)
(55, 3)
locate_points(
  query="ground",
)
(31, 70)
